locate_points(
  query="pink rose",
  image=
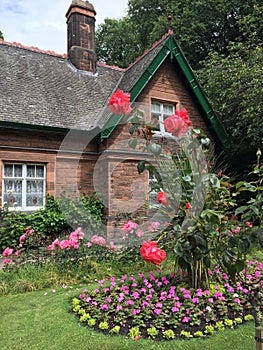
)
(150, 252)
(119, 102)
(178, 123)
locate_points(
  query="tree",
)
(234, 86)
(200, 26)
(116, 42)
(1, 35)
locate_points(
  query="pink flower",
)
(89, 244)
(98, 240)
(7, 261)
(21, 240)
(178, 123)
(162, 198)
(129, 226)
(55, 244)
(139, 233)
(151, 253)
(237, 230)
(119, 103)
(153, 227)
(188, 205)
(185, 319)
(8, 251)
(248, 224)
(157, 311)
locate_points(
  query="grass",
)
(40, 320)
(35, 318)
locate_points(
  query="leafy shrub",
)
(53, 220)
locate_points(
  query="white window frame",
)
(24, 179)
(161, 114)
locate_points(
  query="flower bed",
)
(159, 306)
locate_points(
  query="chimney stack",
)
(81, 35)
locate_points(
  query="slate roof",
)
(46, 90)
(43, 89)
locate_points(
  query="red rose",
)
(151, 253)
(177, 123)
(162, 198)
(188, 205)
(119, 102)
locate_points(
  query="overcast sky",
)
(42, 23)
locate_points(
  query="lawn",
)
(40, 320)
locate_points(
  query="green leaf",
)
(133, 143)
(241, 209)
(155, 148)
(141, 166)
(239, 184)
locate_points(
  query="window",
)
(160, 111)
(24, 185)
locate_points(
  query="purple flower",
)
(104, 307)
(148, 297)
(118, 308)
(237, 300)
(142, 290)
(82, 296)
(157, 311)
(108, 300)
(174, 309)
(129, 302)
(195, 300)
(135, 295)
(160, 305)
(217, 294)
(185, 319)
(135, 311)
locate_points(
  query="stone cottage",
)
(55, 127)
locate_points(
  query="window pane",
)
(168, 109)
(17, 170)
(8, 186)
(156, 107)
(39, 171)
(8, 170)
(30, 171)
(34, 186)
(34, 200)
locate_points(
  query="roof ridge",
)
(150, 48)
(32, 48)
(99, 63)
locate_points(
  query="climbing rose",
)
(178, 123)
(119, 102)
(162, 198)
(188, 205)
(151, 253)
